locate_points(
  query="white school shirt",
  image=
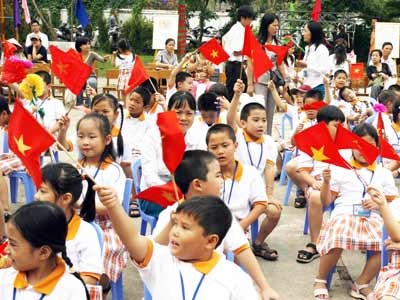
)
(257, 153)
(246, 190)
(152, 114)
(53, 110)
(134, 132)
(293, 112)
(350, 188)
(235, 239)
(303, 119)
(343, 105)
(393, 135)
(233, 41)
(68, 287)
(83, 247)
(126, 156)
(223, 280)
(334, 67)
(317, 65)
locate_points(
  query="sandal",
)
(300, 201)
(356, 292)
(321, 293)
(134, 209)
(265, 251)
(305, 257)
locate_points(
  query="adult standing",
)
(387, 48)
(315, 62)
(35, 27)
(232, 42)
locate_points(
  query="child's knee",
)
(273, 212)
(315, 199)
(291, 167)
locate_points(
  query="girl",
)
(166, 58)
(124, 59)
(354, 223)
(338, 60)
(289, 63)
(62, 185)
(316, 57)
(96, 147)
(201, 70)
(37, 233)
(378, 72)
(387, 285)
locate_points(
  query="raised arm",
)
(276, 97)
(238, 89)
(176, 70)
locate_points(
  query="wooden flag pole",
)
(175, 188)
(241, 68)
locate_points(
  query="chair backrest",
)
(127, 194)
(286, 118)
(137, 175)
(384, 252)
(6, 149)
(111, 74)
(100, 235)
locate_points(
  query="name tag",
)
(358, 210)
(305, 73)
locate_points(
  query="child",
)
(8, 161)
(189, 267)
(37, 233)
(62, 185)
(244, 190)
(354, 223)
(157, 102)
(179, 80)
(387, 285)
(355, 110)
(199, 174)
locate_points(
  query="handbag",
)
(378, 81)
(277, 78)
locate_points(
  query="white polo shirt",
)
(134, 131)
(233, 41)
(317, 65)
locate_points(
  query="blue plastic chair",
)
(384, 252)
(26, 179)
(99, 232)
(288, 119)
(287, 156)
(306, 221)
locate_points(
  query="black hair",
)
(364, 129)
(124, 45)
(338, 72)
(169, 40)
(396, 111)
(317, 35)
(81, 41)
(248, 108)
(144, 93)
(340, 54)
(208, 102)
(194, 165)
(221, 128)
(313, 94)
(386, 97)
(35, 21)
(219, 89)
(181, 77)
(341, 91)
(211, 213)
(104, 127)
(147, 85)
(394, 88)
(179, 99)
(245, 11)
(113, 101)
(4, 105)
(330, 113)
(379, 51)
(46, 77)
(266, 20)
(287, 57)
(387, 44)
(65, 178)
(44, 224)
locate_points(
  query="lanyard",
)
(363, 182)
(15, 294)
(233, 182)
(98, 169)
(183, 287)
(397, 135)
(261, 154)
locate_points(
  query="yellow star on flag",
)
(20, 144)
(169, 196)
(214, 53)
(318, 154)
(357, 71)
(62, 67)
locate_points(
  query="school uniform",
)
(60, 284)
(343, 105)
(168, 278)
(125, 64)
(257, 153)
(303, 119)
(235, 239)
(393, 135)
(244, 190)
(126, 157)
(109, 173)
(83, 249)
(53, 110)
(152, 114)
(359, 229)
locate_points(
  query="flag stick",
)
(241, 68)
(175, 188)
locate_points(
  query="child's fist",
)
(239, 86)
(107, 195)
(376, 195)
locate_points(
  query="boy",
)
(199, 174)
(157, 101)
(179, 80)
(189, 267)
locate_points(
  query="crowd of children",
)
(76, 237)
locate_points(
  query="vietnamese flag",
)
(213, 51)
(280, 51)
(172, 138)
(317, 143)
(253, 49)
(28, 140)
(163, 195)
(386, 150)
(357, 71)
(316, 12)
(345, 139)
(69, 68)
(138, 75)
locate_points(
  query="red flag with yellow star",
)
(28, 140)
(213, 51)
(280, 51)
(163, 195)
(357, 71)
(386, 150)
(345, 139)
(138, 75)
(69, 68)
(317, 143)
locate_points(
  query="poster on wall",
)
(388, 32)
(164, 27)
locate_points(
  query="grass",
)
(102, 67)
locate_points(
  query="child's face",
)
(104, 108)
(357, 155)
(91, 142)
(349, 95)
(213, 185)
(186, 86)
(23, 256)
(256, 123)
(135, 105)
(185, 116)
(187, 240)
(340, 81)
(223, 148)
(46, 193)
(209, 117)
(312, 113)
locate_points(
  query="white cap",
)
(15, 42)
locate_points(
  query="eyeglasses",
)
(34, 39)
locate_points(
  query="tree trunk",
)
(49, 28)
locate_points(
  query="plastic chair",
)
(254, 231)
(99, 234)
(137, 175)
(288, 192)
(384, 252)
(26, 179)
(286, 118)
(306, 221)
(287, 156)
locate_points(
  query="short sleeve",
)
(257, 187)
(272, 150)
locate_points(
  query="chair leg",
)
(117, 290)
(143, 227)
(287, 155)
(305, 229)
(254, 231)
(29, 189)
(14, 189)
(329, 278)
(288, 191)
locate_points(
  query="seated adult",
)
(378, 72)
(36, 52)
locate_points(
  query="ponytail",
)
(120, 140)
(88, 207)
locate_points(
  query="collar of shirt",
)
(249, 139)
(239, 172)
(73, 226)
(396, 127)
(357, 165)
(142, 117)
(205, 267)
